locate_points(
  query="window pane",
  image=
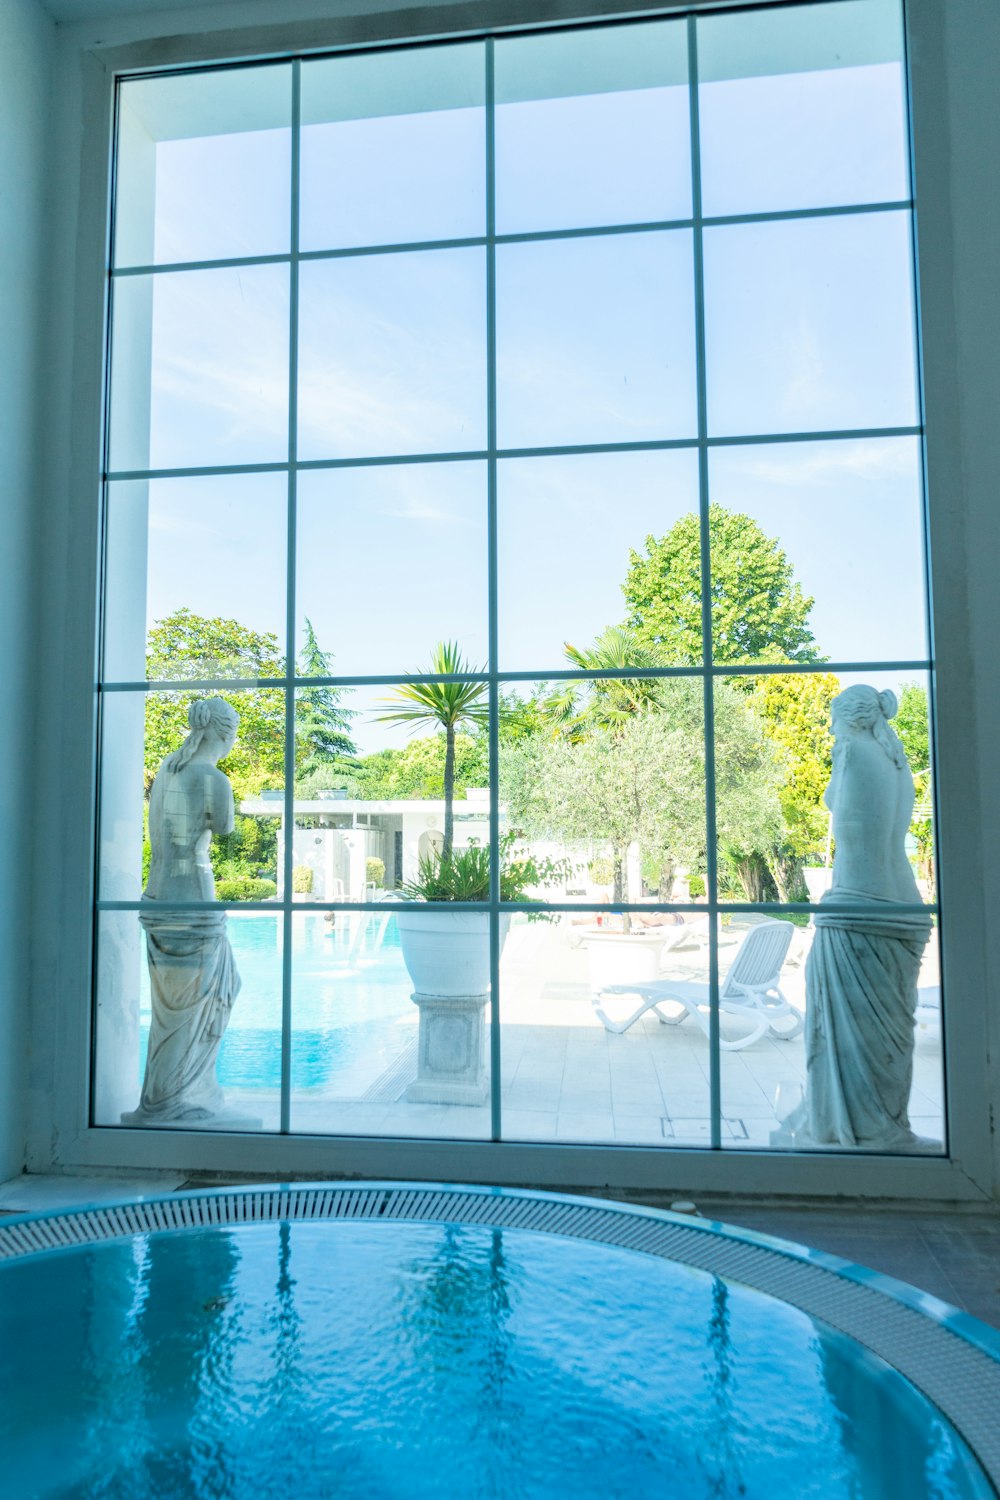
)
(796, 1079)
(198, 562)
(367, 1058)
(802, 106)
(609, 774)
(773, 753)
(200, 368)
(393, 148)
(141, 995)
(567, 529)
(809, 325)
(595, 340)
(569, 1074)
(138, 732)
(392, 560)
(203, 168)
(592, 127)
(392, 355)
(786, 583)
(370, 801)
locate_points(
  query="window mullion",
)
(492, 583)
(288, 851)
(711, 860)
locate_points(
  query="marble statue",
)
(193, 977)
(861, 974)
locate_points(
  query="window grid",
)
(708, 683)
(493, 677)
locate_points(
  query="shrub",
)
(245, 889)
(375, 869)
(302, 880)
(465, 875)
(696, 886)
(601, 871)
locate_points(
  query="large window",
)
(522, 436)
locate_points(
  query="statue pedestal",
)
(451, 1047)
(223, 1119)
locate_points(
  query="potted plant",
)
(449, 989)
(447, 955)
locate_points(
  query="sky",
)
(809, 328)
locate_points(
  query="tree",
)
(417, 771)
(322, 727)
(448, 705)
(912, 724)
(606, 702)
(759, 613)
(606, 705)
(189, 646)
(603, 789)
(645, 782)
(795, 713)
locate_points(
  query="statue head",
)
(212, 725)
(863, 708)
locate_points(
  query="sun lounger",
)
(750, 991)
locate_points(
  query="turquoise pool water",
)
(363, 1360)
(343, 1002)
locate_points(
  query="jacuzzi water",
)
(360, 1359)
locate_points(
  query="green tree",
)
(449, 706)
(606, 702)
(417, 771)
(912, 724)
(759, 612)
(189, 646)
(521, 718)
(644, 782)
(322, 726)
(794, 710)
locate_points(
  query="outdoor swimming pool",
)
(378, 1341)
(342, 1000)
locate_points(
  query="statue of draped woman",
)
(861, 973)
(192, 973)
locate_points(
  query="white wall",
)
(27, 39)
(954, 48)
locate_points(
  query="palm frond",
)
(447, 704)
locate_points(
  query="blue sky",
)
(808, 328)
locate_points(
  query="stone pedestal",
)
(451, 1050)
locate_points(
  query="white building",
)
(343, 833)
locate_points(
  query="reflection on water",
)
(363, 1360)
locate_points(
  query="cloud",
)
(794, 465)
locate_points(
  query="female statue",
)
(193, 977)
(861, 974)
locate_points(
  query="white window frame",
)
(60, 1094)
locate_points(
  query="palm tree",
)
(609, 702)
(448, 705)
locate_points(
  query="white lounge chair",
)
(751, 990)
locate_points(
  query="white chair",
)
(751, 991)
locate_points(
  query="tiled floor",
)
(955, 1256)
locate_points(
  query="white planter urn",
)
(447, 956)
(623, 957)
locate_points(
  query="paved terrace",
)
(565, 1078)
